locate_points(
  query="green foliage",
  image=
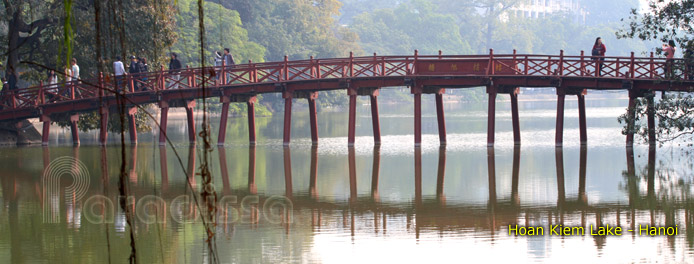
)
(223, 29)
(407, 27)
(664, 21)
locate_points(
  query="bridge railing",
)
(649, 68)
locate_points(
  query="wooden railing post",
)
(490, 65)
(514, 65)
(223, 77)
(318, 74)
(254, 72)
(162, 79)
(561, 62)
(374, 68)
(583, 64)
(72, 90)
(312, 69)
(41, 98)
(525, 66)
(652, 70)
(351, 64)
(286, 68)
(617, 68)
(414, 63)
(439, 54)
(188, 79)
(383, 66)
(631, 67)
(101, 84)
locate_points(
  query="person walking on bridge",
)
(598, 54)
(134, 69)
(174, 70)
(119, 72)
(669, 50)
(689, 60)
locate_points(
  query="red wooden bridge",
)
(359, 76)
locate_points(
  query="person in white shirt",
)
(52, 83)
(75, 70)
(119, 71)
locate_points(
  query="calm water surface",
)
(386, 204)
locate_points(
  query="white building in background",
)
(542, 8)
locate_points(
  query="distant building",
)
(542, 8)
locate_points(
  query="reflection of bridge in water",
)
(422, 212)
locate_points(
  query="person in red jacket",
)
(598, 53)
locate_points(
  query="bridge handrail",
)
(629, 67)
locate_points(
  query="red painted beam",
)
(46, 129)
(351, 126)
(515, 118)
(162, 124)
(132, 125)
(376, 123)
(250, 105)
(103, 125)
(313, 120)
(559, 131)
(287, 119)
(190, 106)
(582, 118)
(75, 130)
(491, 115)
(417, 119)
(631, 115)
(650, 112)
(223, 122)
(440, 118)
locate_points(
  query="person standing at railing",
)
(134, 69)
(52, 85)
(75, 75)
(217, 63)
(175, 70)
(598, 54)
(689, 60)
(119, 72)
(144, 69)
(669, 50)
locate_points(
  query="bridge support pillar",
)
(103, 125)
(440, 117)
(582, 118)
(491, 115)
(75, 130)
(46, 129)
(631, 115)
(559, 132)
(287, 118)
(650, 111)
(351, 126)
(417, 119)
(376, 123)
(250, 105)
(514, 117)
(164, 107)
(190, 105)
(132, 125)
(311, 97)
(223, 120)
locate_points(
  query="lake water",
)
(333, 204)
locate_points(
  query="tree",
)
(664, 21)
(25, 27)
(410, 26)
(223, 29)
